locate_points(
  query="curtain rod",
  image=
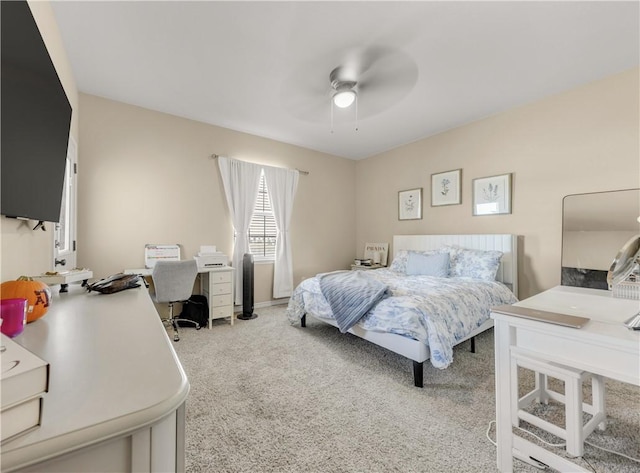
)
(306, 173)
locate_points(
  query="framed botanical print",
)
(410, 204)
(445, 188)
(492, 195)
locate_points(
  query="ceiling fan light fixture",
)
(344, 98)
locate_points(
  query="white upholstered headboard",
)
(508, 244)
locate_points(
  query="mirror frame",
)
(590, 277)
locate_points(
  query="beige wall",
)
(584, 140)
(147, 177)
(27, 252)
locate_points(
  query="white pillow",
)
(399, 263)
(477, 264)
(420, 264)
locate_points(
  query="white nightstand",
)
(361, 267)
(217, 285)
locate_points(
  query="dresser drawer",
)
(220, 312)
(222, 288)
(220, 300)
(220, 276)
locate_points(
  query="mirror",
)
(595, 227)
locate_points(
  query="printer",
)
(208, 257)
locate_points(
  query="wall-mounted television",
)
(35, 119)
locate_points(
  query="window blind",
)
(262, 230)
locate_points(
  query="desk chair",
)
(173, 282)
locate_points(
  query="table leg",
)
(503, 334)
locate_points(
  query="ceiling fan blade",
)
(305, 94)
(390, 67)
(311, 107)
(386, 83)
(358, 61)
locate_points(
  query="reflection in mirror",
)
(594, 228)
(624, 275)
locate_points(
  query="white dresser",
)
(217, 285)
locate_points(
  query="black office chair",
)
(173, 282)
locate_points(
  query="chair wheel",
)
(176, 338)
(198, 326)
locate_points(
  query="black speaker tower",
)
(247, 288)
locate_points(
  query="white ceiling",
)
(263, 67)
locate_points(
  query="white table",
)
(603, 346)
(216, 283)
(117, 391)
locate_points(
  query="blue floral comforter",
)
(439, 312)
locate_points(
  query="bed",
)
(418, 316)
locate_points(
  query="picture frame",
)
(377, 253)
(492, 195)
(445, 188)
(410, 204)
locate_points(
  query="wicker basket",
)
(627, 290)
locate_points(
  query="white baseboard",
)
(261, 305)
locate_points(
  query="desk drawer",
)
(220, 276)
(220, 312)
(220, 300)
(222, 288)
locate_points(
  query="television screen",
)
(35, 118)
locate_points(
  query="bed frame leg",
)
(473, 344)
(303, 321)
(417, 374)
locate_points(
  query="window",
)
(64, 234)
(262, 230)
(64, 237)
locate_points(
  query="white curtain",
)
(241, 181)
(282, 185)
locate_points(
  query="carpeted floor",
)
(270, 397)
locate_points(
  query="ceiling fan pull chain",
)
(331, 103)
(356, 112)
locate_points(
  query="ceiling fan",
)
(374, 78)
(344, 93)
(344, 90)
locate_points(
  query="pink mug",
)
(13, 313)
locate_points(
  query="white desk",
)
(216, 283)
(603, 346)
(116, 388)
